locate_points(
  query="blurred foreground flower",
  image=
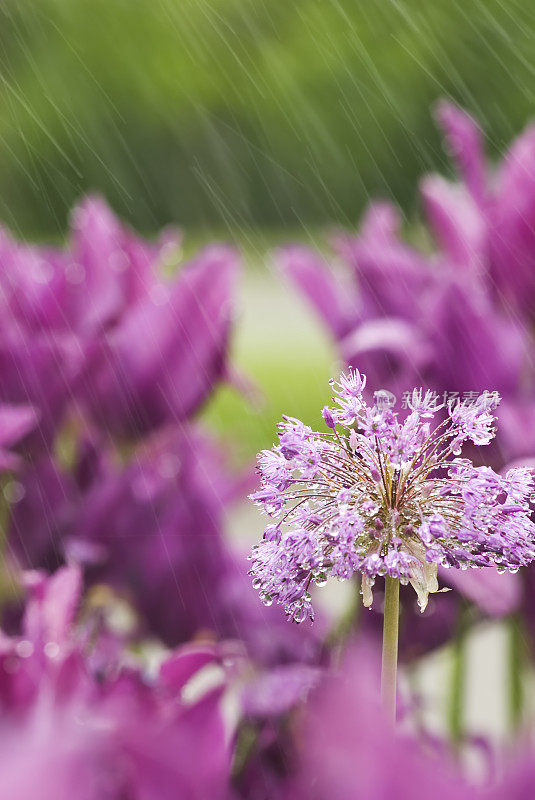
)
(69, 731)
(345, 747)
(340, 745)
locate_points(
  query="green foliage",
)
(240, 112)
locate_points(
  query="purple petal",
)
(393, 278)
(176, 671)
(319, 284)
(181, 336)
(457, 221)
(10, 462)
(40, 370)
(159, 521)
(188, 757)
(97, 252)
(145, 259)
(33, 285)
(391, 352)
(495, 594)
(512, 225)
(381, 221)
(15, 422)
(276, 691)
(463, 138)
(42, 514)
(50, 613)
(346, 749)
(476, 347)
(516, 425)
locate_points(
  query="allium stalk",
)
(387, 497)
(389, 662)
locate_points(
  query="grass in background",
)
(244, 112)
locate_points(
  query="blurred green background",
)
(224, 114)
(252, 120)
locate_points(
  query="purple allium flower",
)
(385, 496)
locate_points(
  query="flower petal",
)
(424, 581)
(318, 283)
(463, 138)
(366, 591)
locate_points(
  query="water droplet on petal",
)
(51, 649)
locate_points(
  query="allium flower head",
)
(382, 495)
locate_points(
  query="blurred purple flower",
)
(158, 523)
(86, 287)
(96, 325)
(162, 360)
(40, 370)
(153, 529)
(502, 209)
(345, 748)
(511, 220)
(455, 321)
(276, 691)
(111, 268)
(106, 346)
(107, 736)
(41, 514)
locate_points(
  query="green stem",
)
(9, 587)
(516, 669)
(390, 647)
(457, 686)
